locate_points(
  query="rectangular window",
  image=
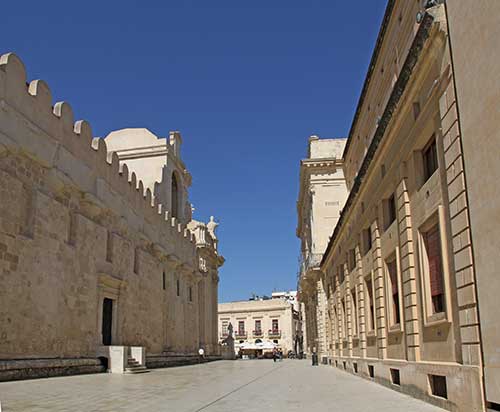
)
(395, 377)
(224, 328)
(370, 306)
(344, 319)
(275, 325)
(164, 281)
(341, 274)
(178, 287)
(367, 240)
(390, 210)
(258, 327)
(392, 272)
(432, 244)
(351, 259)
(354, 312)
(190, 294)
(241, 327)
(429, 156)
(438, 387)
(335, 324)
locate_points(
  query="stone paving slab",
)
(224, 386)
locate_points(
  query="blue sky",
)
(246, 83)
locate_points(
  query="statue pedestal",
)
(227, 349)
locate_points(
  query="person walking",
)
(275, 352)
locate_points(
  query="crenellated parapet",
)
(32, 125)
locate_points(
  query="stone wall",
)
(474, 152)
(76, 227)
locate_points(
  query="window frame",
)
(366, 240)
(241, 331)
(343, 309)
(277, 325)
(430, 318)
(393, 325)
(354, 311)
(426, 173)
(370, 320)
(259, 329)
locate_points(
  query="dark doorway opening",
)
(107, 320)
(104, 363)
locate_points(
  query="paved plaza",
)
(216, 387)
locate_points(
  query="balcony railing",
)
(258, 333)
(240, 334)
(274, 333)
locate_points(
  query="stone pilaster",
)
(408, 273)
(348, 308)
(340, 319)
(331, 306)
(379, 298)
(361, 303)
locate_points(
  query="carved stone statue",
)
(230, 330)
(212, 226)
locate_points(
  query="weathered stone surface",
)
(81, 225)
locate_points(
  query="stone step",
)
(131, 362)
(131, 370)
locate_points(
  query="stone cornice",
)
(371, 67)
(326, 162)
(416, 48)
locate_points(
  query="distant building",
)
(322, 196)
(260, 320)
(290, 296)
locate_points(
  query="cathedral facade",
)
(98, 248)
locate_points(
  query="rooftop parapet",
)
(326, 148)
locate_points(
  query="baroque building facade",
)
(98, 249)
(410, 273)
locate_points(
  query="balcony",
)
(309, 267)
(240, 334)
(274, 333)
(313, 261)
(258, 333)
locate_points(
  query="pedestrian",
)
(275, 353)
(201, 353)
